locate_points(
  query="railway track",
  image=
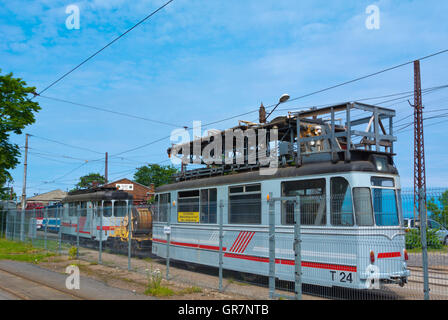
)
(437, 277)
(24, 293)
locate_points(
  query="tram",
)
(102, 213)
(83, 208)
(351, 220)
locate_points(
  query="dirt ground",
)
(185, 284)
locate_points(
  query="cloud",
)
(207, 60)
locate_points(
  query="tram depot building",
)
(141, 193)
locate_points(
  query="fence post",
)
(14, 227)
(33, 228)
(78, 209)
(100, 252)
(271, 246)
(2, 234)
(129, 234)
(221, 211)
(6, 227)
(423, 224)
(168, 240)
(60, 213)
(46, 224)
(22, 225)
(297, 251)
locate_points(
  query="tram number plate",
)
(341, 276)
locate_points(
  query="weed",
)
(73, 253)
(154, 286)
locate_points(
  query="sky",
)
(207, 61)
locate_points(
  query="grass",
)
(160, 291)
(190, 290)
(419, 250)
(20, 251)
(232, 280)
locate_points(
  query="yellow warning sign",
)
(188, 217)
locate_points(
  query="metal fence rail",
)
(292, 247)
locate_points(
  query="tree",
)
(439, 212)
(90, 180)
(154, 173)
(16, 112)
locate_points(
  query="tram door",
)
(85, 219)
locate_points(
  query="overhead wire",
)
(112, 111)
(297, 98)
(103, 48)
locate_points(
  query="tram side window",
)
(107, 209)
(188, 206)
(312, 201)
(341, 202)
(162, 207)
(385, 207)
(72, 209)
(65, 209)
(245, 204)
(120, 209)
(363, 206)
(208, 205)
(83, 208)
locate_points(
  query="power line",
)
(54, 155)
(66, 144)
(60, 177)
(293, 99)
(111, 111)
(107, 45)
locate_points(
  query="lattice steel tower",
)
(419, 146)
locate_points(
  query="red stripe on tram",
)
(191, 245)
(307, 264)
(247, 242)
(236, 241)
(389, 255)
(241, 242)
(107, 227)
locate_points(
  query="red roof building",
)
(140, 192)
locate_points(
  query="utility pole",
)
(419, 173)
(24, 173)
(22, 218)
(105, 171)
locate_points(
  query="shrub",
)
(413, 239)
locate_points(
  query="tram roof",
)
(288, 172)
(97, 194)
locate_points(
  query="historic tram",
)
(106, 210)
(349, 191)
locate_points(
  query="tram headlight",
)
(380, 163)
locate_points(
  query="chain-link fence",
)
(350, 245)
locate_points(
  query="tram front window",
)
(120, 208)
(341, 202)
(385, 207)
(363, 206)
(107, 209)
